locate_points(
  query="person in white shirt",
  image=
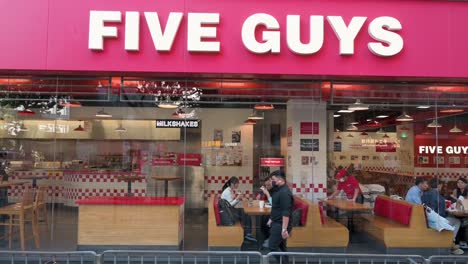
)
(233, 196)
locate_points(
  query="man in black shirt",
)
(281, 210)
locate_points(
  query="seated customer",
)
(434, 200)
(414, 193)
(461, 190)
(233, 197)
(349, 185)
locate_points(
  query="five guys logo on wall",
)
(201, 27)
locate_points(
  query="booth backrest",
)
(322, 219)
(216, 210)
(299, 204)
(399, 211)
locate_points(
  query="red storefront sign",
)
(309, 128)
(189, 159)
(63, 36)
(162, 162)
(266, 162)
(385, 147)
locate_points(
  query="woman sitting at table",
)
(350, 186)
(461, 190)
(233, 197)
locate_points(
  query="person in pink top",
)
(349, 185)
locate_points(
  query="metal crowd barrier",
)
(214, 257)
(448, 259)
(180, 257)
(45, 257)
(325, 258)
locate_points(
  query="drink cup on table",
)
(261, 204)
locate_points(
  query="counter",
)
(130, 221)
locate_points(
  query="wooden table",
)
(166, 180)
(129, 178)
(253, 210)
(349, 207)
(460, 214)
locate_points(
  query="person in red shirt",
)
(349, 185)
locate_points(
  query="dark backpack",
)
(226, 213)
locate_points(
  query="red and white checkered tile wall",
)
(68, 187)
(214, 184)
(445, 174)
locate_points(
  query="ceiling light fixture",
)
(264, 106)
(434, 124)
(354, 123)
(336, 115)
(352, 127)
(455, 129)
(338, 137)
(381, 116)
(345, 111)
(386, 136)
(120, 128)
(349, 135)
(168, 104)
(79, 128)
(423, 107)
(102, 113)
(358, 106)
(255, 116)
(364, 134)
(404, 118)
(250, 122)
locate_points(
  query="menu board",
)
(223, 156)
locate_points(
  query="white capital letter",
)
(97, 30)
(132, 31)
(380, 30)
(294, 34)
(271, 38)
(346, 34)
(196, 32)
(421, 149)
(163, 40)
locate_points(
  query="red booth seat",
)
(220, 236)
(398, 212)
(399, 224)
(300, 204)
(315, 226)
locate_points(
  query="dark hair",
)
(231, 181)
(279, 174)
(462, 179)
(419, 180)
(434, 182)
(266, 178)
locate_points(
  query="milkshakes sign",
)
(202, 32)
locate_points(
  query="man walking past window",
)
(282, 205)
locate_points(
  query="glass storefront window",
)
(146, 157)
